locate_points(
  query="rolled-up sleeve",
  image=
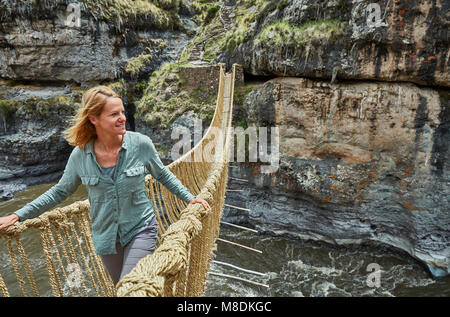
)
(66, 186)
(161, 173)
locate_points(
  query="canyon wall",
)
(359, 162)
(360, 98)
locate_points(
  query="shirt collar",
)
(89, 147)
(125, 141)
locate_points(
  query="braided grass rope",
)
(3, 287)
(186, 237)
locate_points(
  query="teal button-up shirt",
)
(118, 207)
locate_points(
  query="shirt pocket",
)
(90, 180)
(95, 191)
(134, 178)
(136, 170)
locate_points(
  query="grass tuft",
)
(283, 33)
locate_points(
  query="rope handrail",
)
(172, 270)
(187, 233)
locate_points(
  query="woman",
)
(111, 163)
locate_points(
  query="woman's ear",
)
(92, 119)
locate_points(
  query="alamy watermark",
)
(74, 17)
(74, 275)
(373, 15)
(213, 147)
(373, 278)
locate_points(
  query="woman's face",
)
(112, 119)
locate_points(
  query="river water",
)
(291, 267)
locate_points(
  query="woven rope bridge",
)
(186, 239)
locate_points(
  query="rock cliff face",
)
(32, 149)
(99, 49)
(348, 39)
(364, 142)
(361, 161)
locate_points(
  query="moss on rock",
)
(42, 107)
(166, 98)
(283, 33)
(7, 108)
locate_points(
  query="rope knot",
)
(40, 222)
(15, 230)
(138, 285)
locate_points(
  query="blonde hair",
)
(81, 131)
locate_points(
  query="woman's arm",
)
(161, 173)
(66, 186)
(166, 177)
(7, 221)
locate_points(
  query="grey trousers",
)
(126, 258)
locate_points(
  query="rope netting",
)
(186, 238)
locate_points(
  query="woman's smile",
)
(121, 125)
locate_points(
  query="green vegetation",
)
(213, 45)
(280, 32)
(140, 87)
(245, 21)
(39, 107)
(7, 107)
(242, 30)
(215, 39)
(242, 123)
(163, 14)
(247, 15)
(212, 35)
(118, 86)
(283, 33)
(210, 28)
(240, 115)
(136, 64)
(42, 107)
(165, 98)
(206, 10)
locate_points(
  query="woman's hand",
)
(7, 221)
(200, 201)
